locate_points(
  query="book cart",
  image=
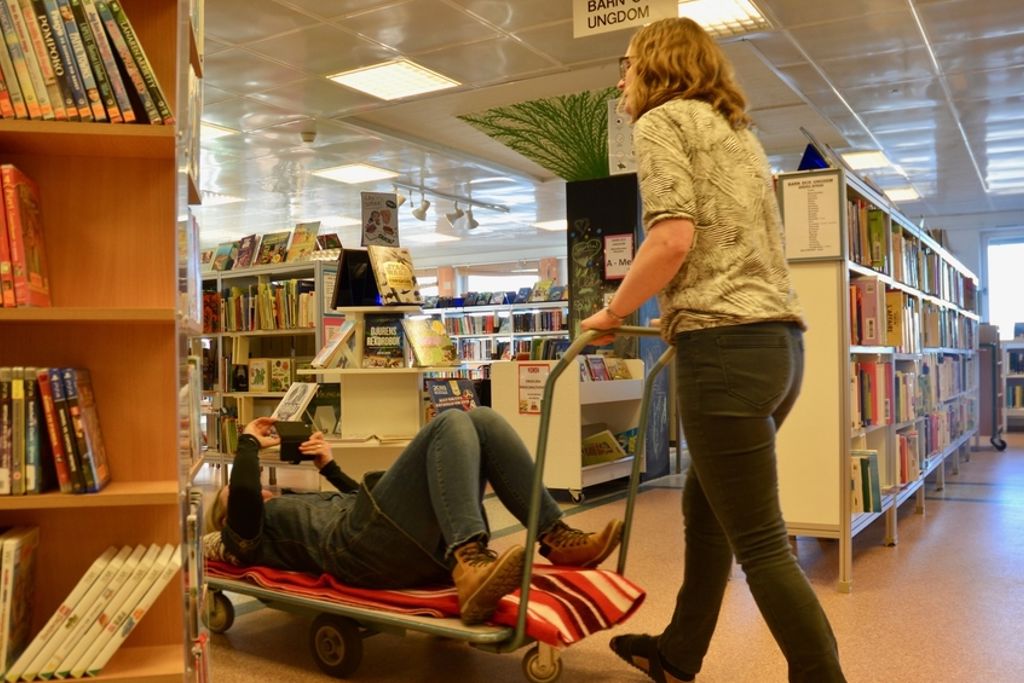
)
(338, 629)
(992, 383)
(121, 255)
(829, 248)
(1013, 384)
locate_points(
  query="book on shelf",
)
(224, 257)
(82, 619)
(17, 591)
(60, 616)
(123, 625)
(523, 295)
(303, 241)
(246, 251)
(871, 321)
(453, 393)
(394, 274)
(336, 349)
(600, 446)
(259, 375)
(206, 257)
(116, 602)
(23, 217)
(431, 345)
(383, 345)
(92, 455)
(94, 55)
(280, 375)
(597, 368)
(135, 61)
(617, 368)
(540, 290)
(295, 402)
(558, 293)
(328, 240)
(273, 248)
(355, 284)
(62, 60)
(67, 431)
(866, 477)
(26, 63)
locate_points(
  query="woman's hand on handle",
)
(602, 321)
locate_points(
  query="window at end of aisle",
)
(1005, 305)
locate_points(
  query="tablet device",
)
(292, 434)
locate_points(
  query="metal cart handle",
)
(533, 519)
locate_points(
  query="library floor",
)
(945, 604)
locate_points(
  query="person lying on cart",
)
(421, 522)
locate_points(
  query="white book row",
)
(99, 613)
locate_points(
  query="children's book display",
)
(431, 345)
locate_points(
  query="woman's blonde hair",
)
(677, 59)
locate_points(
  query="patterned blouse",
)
(692, 164)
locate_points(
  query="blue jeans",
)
(434, 491)
(736, 385)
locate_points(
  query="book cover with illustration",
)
(17, 591)
(431, 345)
(259, 374)
(331, 355)
(395, 276)
(92, 456)
(540, 290)
(23, 215)
(280, 374)
(273, 248)
(295, 401)
(303, 241)
(328, 240)
(224, 257)
(452, 393)
(246, 251)
(383, 342)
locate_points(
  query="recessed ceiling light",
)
(430, 238)
(218, 199)
(394, 80)
(353, 174)
(902, 194)
(725, 17)
(859, 161)
(560, 224)
(211, 131)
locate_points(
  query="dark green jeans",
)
(736, 385)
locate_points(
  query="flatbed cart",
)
(337, 633)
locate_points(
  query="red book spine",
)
(60, 460)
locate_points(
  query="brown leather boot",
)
(563, 545)
(482, 578)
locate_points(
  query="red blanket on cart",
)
(566, 604)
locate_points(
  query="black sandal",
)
(633, 645)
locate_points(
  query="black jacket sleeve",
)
(245, 493)
(341, 481)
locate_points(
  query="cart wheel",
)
(336, 644)
(576, 495)
(538, 671)
(998, 443)
(221, 613)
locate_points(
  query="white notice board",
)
(812, 215)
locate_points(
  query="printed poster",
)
(618, 255)
(532, 378)
(380, 218)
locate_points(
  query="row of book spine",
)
(881, 394)
(881, 317)
(266, 306)
(50, 425)
(96, 617)
(76, 60)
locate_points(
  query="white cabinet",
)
(615, 403)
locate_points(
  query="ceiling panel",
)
(332, 9)
(240, 71)
(795, 13)
(418, 26)
(244, 114)
(556, 40)
(484, 62)
(865, 35)
(514, 16)
(962, 20)
(316, 97)
(978, 55)
(315, 50)
(239, 21)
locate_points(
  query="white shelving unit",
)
(814, 446)
(615, 403)
(501, 328)
(1013, 387)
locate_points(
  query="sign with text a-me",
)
(591, 17)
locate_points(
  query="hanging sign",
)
(591, 17)
(380, 218)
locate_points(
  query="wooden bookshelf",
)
(110, 199)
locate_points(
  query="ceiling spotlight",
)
(399, 197)
(454, 215)
(420, 212)
(470, 221)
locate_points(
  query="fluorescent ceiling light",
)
(353, 174)
(724, 17)
(560, 224)
(859, 161)
(430, 238)
(902, 194)
(218, 199)
(211, 131)
(394, 80)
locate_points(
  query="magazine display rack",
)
(119, 267)
(841, 235)
(515, 393)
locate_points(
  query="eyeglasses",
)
(624, 64)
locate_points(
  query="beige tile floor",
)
(945, 604)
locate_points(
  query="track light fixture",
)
(420, 212)
(399, 197)
(470, 221)
(468, 202)
(454, 215)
